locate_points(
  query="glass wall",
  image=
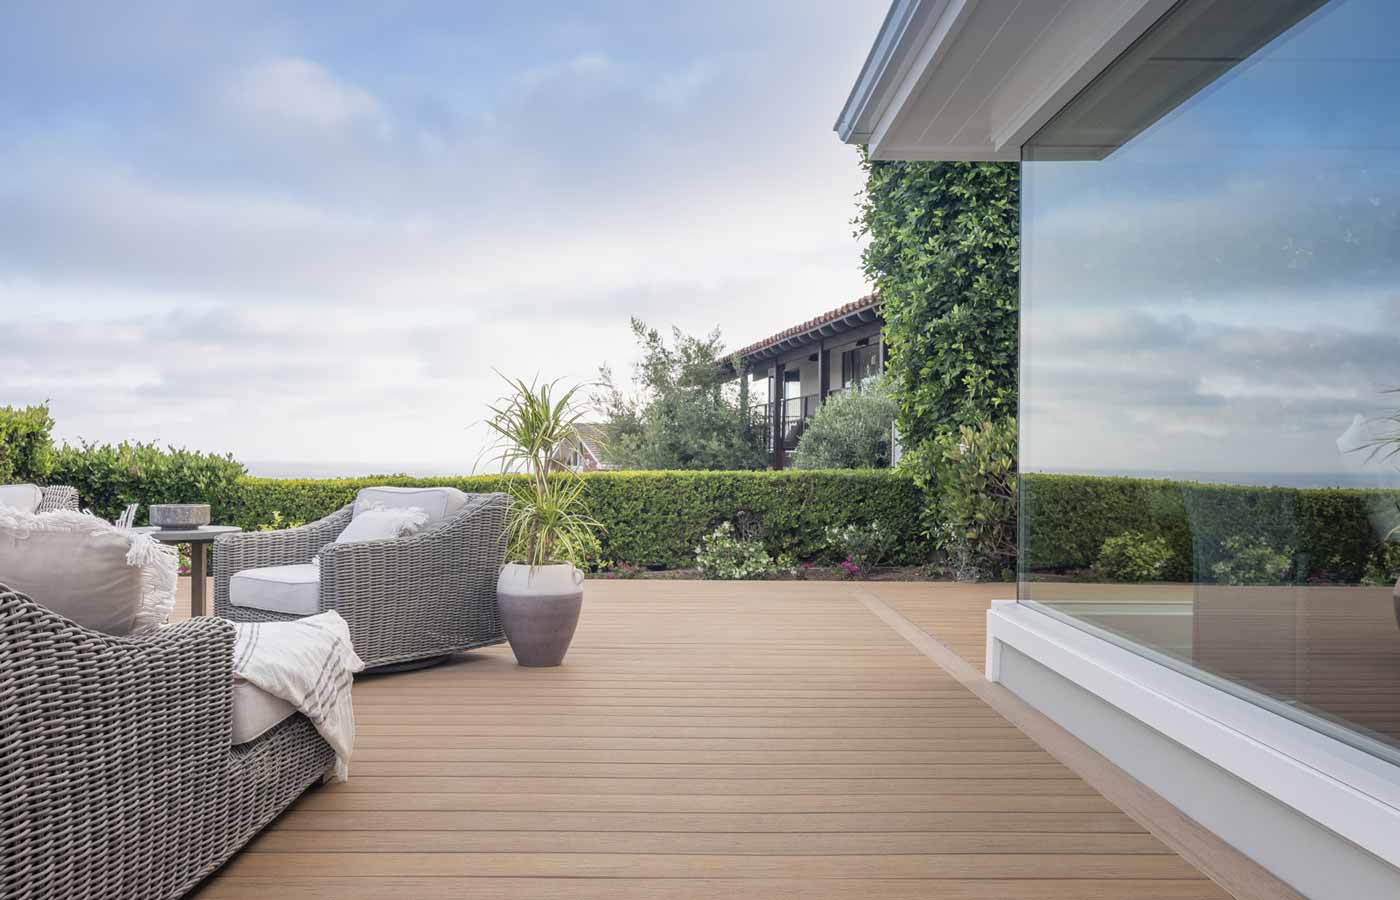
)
(1210, 339)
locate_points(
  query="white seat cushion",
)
(290, 590)
(439, 503)
(23, 497)
(255, 711)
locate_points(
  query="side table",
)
(197, 538)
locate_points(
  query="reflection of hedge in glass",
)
(1252, 561)
(1336, 534)
(1134, 557)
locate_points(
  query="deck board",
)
(758, 740)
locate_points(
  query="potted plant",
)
(540, 590)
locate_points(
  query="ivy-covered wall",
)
(944, 254)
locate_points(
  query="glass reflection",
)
(1211, 329)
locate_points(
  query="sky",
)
(310, 235)
(1222, 293)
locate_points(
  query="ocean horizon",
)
(334, 469)
(1353, 480)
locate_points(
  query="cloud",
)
(313, 235)
(1129, 390)
(300, 93)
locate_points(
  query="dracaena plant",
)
(548, 520)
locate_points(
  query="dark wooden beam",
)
(777, 407)
(824, 367)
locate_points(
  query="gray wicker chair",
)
(408, 601)
(117, 778)
(58, 496)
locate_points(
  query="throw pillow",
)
(109, 579)
(23, 497)
(379, 524)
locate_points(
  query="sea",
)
(1379, 478)
(330, 469)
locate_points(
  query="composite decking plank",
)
(807, 822)
(1043, 866)
(701, 842)
(693, 803)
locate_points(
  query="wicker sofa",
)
(408, 600)
(117, 774)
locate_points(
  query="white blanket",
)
(310, 664)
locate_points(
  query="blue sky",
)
(311, 235)
(1223, 292)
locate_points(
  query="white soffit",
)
(975, 79)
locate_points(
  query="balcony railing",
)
(795, 411)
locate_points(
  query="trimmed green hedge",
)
(1335, 533)
(26, 449)
(658, 518)
(109, 476)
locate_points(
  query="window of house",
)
(858, 364)
(1210, 301)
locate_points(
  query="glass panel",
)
(859, 364)
(1211, 327)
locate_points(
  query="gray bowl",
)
(175, 516)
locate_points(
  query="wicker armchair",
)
(117, 778)
(58, 496)
(407, 600)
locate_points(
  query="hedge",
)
(110, 476)
(1335, 533)
(656, 519)
(26, 449)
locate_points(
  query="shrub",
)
(725, 554)
(851, 430)
(1252, 560)
(976, 473)
(26, 448)
(1133, 557)
(656, 519)
(109, 477)
(277, 523)
(863, 546)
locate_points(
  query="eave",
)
(975, 79)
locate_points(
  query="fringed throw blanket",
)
(310, 664)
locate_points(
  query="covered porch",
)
(728, 740)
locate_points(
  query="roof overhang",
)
(860, 314)
(975, 79)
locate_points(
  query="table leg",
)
(197, 554)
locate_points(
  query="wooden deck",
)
(707, 740)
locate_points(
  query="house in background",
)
(794, 371)
(1210, 222)
(585, 454)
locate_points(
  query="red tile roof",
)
(869, 300)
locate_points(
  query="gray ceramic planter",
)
(539, 610)
(540, 628)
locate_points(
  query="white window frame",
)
(1347, 790)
